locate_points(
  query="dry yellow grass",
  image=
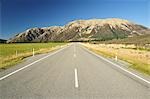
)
(139, 59)
(8, 58)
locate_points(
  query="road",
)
(72, 73)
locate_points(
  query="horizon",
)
(50, 13)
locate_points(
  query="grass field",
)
(140, 59)
(11, 54)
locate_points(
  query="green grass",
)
(9, 57)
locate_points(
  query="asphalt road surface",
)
(69, 73)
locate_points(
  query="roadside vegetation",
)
(140, 59)
(11, 54)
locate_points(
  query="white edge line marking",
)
(119, 67)
(76, 78)
(30, 64)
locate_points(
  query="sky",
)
(18, 15)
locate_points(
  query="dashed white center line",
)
(76, 78)
(74, 49)
(74, 55)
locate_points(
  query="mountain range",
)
(2, 41)
(83, 30)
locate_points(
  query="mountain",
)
(2, 41)
(137, 40)
(83, 30)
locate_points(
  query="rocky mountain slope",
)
(83, 30)
(2, 41)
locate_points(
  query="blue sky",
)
(19, 15)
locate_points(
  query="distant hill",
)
(2, 41)
(83, 30)
(138, 40)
